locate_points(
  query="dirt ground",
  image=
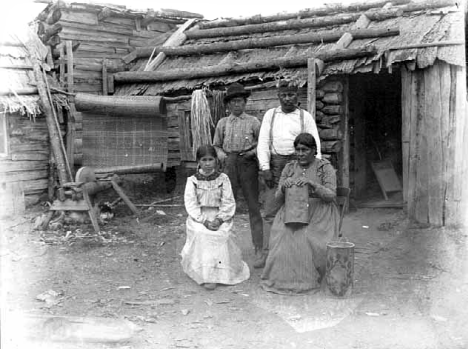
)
(411, 285)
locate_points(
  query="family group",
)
(285, 149)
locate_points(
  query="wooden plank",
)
(435, 188)
(420, 156)
(30, 156)
(311, 86)
(23, 176)
(176, 39)
(406, 93)
(69, 53)
(81, 17)
(62, 65)
(447, 155)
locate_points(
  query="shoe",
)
(209, 286)
(260, 260)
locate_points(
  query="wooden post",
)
(62, 65)
(69, 53)
(177, 39)
(311, 84)
(105, 91)
(345, 140)
(53, 131)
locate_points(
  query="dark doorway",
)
(375, 127)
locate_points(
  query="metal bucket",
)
(339, 273)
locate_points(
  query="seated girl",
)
(210, 255)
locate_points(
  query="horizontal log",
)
(333, 98)
(233, 68)
(12, 166)
(30, 157)
(29, 147)
(292, 24)
(130, 169)
(321, 11)
(332, 86)
(331, 134)
(333, 109)
(4, 91)
(23, 176)
(121, 105)
(268, 42)
(330, 146)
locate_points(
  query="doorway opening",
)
(375, 139)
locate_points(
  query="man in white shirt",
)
(280, 126)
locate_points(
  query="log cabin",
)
(385, 81)
(87, 43)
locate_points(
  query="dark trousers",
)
(272, 204)
(243, 173)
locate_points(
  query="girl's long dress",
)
(211, 256)
(297, 258)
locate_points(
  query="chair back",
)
(342, 200)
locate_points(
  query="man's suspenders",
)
(301, 115)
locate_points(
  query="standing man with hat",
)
(280, 126)
(235, 141)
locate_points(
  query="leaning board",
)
(386, 176)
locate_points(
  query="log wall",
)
(331, 112)
(26, 166)
(435, 147)
(87, 45)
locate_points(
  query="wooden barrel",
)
(296, 205)
(340, 268)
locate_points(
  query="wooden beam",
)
(268, 42)
(316, 12)
(121, 105)
(318, 22)
(233, 68)
(311, 85)
(105, 91)
(53, 131)
(69, 53)
(429, 44)
(176, 39)
(345, 151)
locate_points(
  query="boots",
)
(260, 258)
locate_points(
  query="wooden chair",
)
(342, 200)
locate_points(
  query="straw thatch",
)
(419, 23)
(18, 93)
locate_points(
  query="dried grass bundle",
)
(218, 108)
(200, 120)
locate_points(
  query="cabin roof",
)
(17, 72)
(418, 23)
(175, 16)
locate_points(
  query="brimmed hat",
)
(235, 90)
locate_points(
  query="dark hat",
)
(235, 90)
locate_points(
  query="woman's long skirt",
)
(297, 259)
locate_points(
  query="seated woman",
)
(210, 255)
(297, 259)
